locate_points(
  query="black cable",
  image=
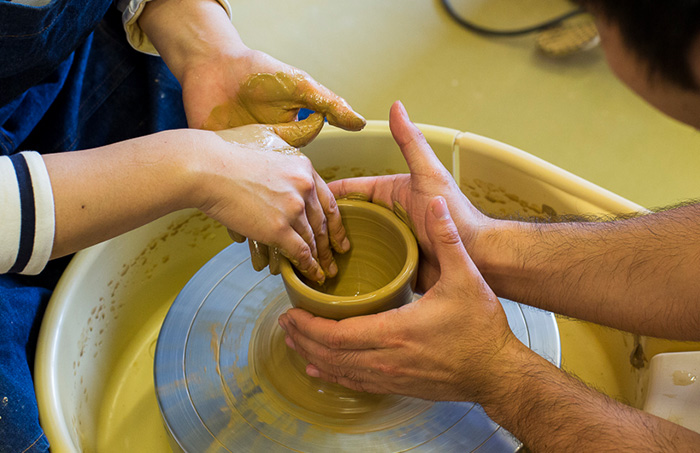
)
(516, 32)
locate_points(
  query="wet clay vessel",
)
(377, 274)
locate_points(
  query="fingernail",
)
(288, 340)
(439, 209)
(320, 276)
(345, 245)
(359, 122)
(283, 324)
(332, 269)
(402, 108)
(312, 371)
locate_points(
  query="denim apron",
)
(68, 80)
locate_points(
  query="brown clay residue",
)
(496, 200)
(259, 89)
(403, 215)
(355, 196)
(329, 174)
(143, 265)
(259, 255)
(214, 330)
(274, 100)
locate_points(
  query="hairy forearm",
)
(549, 410)
(638, 274)
(103, 192)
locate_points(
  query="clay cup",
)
(377, 274)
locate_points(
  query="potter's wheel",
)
(225, 381)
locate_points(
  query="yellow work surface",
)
(572, 112)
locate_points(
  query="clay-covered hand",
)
(411, 192)
(268, 191)
(261, 254)
(444, 346)
(225, 84)
(252, 87)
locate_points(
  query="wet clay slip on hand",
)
(377, 274)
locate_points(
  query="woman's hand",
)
(225, 84)
(253, 87)
(252, 182)
(262, 188)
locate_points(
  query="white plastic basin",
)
(94, 366)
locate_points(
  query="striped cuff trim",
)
(28, 213)
(28, 218)
(45, 213)
(10, 223)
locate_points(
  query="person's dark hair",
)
(660, 32)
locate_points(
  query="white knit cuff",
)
(131, 10)
(28, 227)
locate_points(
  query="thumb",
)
(414, 147)
(300, 133)
(447, 243)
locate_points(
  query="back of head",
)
(661, 33)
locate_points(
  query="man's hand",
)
(454, 344)
(428, 178)
(266, 190)
(448, 345)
